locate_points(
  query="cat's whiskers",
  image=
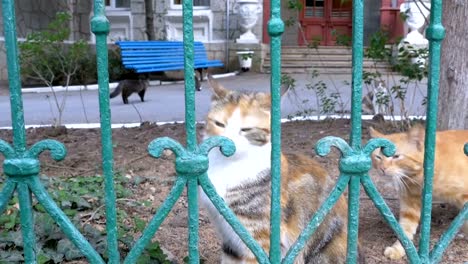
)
(400, 178)
(411, 180)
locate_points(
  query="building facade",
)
(216, 23)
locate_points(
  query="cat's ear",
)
(264, 100)
(374, 133)
(416, 136)
(219, 91)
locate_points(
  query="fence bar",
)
(447, 237)
(192, 193)
(357, 60)
(388, 216)
(275, 29)
(314, 223)
(63, 221)
(356, 126)
(190, 128)
(27, 223)
(19, 133)
(230, 217)
(156, 221)
(435, 34)
(190, 121)
(353, 219)
(7, 191)
(100, 27)
(16, 101)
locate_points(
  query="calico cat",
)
(406, 169)
(129, 86)
(244, 182)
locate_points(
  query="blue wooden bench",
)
(159, 56)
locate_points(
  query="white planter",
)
(416, 15)
(248, 11)
(245, 59)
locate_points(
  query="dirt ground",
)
(132, 160)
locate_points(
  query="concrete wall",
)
(33, 15)
(217, 7)
(81, 28)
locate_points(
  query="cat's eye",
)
(396, 156)
(378, 157)
(219, 124)
(246, 129)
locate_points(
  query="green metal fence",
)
(22, 166)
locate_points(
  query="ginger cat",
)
(243, 181)
(406, 169)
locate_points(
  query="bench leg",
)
(200, 70)
(198, 81)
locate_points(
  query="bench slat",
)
(175, 67)
(199, 64)
(154, 56)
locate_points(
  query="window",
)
(314, 8)
(118, 4)
(197, 4)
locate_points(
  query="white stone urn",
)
(248, 10)
(416, 13)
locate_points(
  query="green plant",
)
(86, 72)
(82, 199)
(45, 57)
(341, 39)
(117, 71)
(246, 56)
(408, 69)
(296, 6)
(326, 102)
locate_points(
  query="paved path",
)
(166, 102)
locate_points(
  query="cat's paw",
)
(394, 252)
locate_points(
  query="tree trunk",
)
(149, 13)
(453, 97)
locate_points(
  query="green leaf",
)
(11, 256)
(143, 259)
(139, 224)
(64, 246)
(42, 258)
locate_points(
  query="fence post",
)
(435, 33)
(356, 127)
(19, 133)
(100, 27)
(275, 30)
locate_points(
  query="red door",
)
(325, 22)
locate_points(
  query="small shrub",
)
(82, 200)
(409, 63)
(45, 58)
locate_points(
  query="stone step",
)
(318, 50)
(324, 59)
(313, 57)
(325, 64)
(320, 70)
